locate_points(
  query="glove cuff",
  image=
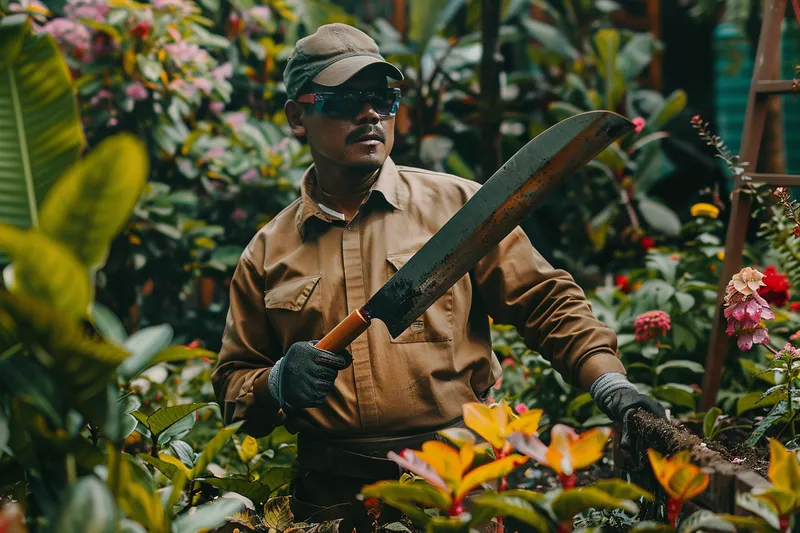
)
(274, 381)
(604, 388)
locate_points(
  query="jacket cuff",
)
(594, 365)
(261, 390)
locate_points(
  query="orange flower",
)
(680, 478)
(568, 452)
(495, 423)
(448, 469)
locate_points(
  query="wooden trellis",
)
(762, 87)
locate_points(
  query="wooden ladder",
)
(762, 87)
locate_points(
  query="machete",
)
(483, 221)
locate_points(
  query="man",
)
(359, 218)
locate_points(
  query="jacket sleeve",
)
(549, 309)
(248, 352)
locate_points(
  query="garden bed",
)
(733, 468)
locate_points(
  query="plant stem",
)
(673, 510)
(790, 377)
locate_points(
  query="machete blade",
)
(491, 214)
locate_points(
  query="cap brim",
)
(346, 68)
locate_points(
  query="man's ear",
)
(294, 115)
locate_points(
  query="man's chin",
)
(367, 162)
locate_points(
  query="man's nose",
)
(367, 115)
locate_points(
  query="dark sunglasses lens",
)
(384, 104)
(349, 105)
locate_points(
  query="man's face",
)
(362, 141)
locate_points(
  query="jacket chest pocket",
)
(295, 309)
(436, 323)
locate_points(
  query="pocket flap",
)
(291, 295)
(398, 260)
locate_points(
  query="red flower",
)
(777, 287)
(638, 124)
(794, 307)
(647, 243)
(623, 283)
(651, 325)
(141, 30)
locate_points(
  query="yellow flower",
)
(704, 210)
(680, 478)
(721, 255)
(448, 468)
(568, 452)
(496, 423)
(784, 472)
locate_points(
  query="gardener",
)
(359, 218)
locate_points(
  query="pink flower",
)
(72, 35)
(236, 119)
(87, 9)
(112, 121)
(251, 176)
(509, 361)
(203, 84)
(521, 408)
(239, 215)
(217, 107)
(651, 325)
(498, 383)
(255, 18)
(184, 88)
(214, 153)
(638, 124)
(745, 309)
(183, 52)
(222, 72)
(136, 91)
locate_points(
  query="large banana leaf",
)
(40, 129)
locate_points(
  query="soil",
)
(669, 437)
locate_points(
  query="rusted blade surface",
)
(492, 213)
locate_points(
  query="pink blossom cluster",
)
(71, 35)
(651, 325)
(87, 9)
(745, 309)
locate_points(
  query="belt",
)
(362, 457)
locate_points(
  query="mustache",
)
(365, 130)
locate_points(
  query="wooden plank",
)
(775, 87)
(778, 180)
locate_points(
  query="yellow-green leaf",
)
(490, 471)
(483, 420)
(42, 132)
(164, 418)
(607, 42)
(212, 449)
(503, 504)
(248, 449)
(176, 353)
(278, 514)
(47, 270)
(91, 202)
(622, 489)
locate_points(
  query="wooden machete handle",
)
(345, 332)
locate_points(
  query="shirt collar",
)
(387, 184)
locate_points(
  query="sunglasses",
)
(349, 104)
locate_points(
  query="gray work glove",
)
(305, 375)
(618, 399)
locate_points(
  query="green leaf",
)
(710, 421)
(749, 523)
(636, 55)
(177, 353)
(40, 120)
(227, 255)
(512, 506)
(87, 508)
(578, 402)
(685, 301)
(704, 521)
(213, 447)
(424, 22)
(420, 493)
(681, 363)
(127, 425)
(613, 157)
(85, 365)
(163, 418)
(550, 38)
(183, 451)
(47, 270)
(649, 169)
(659, 216)
(573, 501)
(207, 516)
(168, 469)
(256, 491)
(92, 201)
(176, 431)
(673, 105)
(780, 410)
(622, 489)
(607, 43)
(752, 400)
(675, 395)
(758, 507)
(144, 345)
(5, 433)
(108, 324)
(656, 292)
